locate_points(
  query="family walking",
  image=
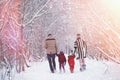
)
(80, 50)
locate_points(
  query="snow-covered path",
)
(96, 70)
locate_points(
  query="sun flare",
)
(113, 5)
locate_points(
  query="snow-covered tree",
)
(26, 23)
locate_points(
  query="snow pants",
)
(61, 66)
(71, 65)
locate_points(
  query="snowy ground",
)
(96, 70)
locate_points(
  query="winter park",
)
(59, 39)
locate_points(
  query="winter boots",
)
(83, 67)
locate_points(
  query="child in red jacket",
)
(71, 61)
(61, 60)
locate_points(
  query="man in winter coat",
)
(62, 60)
(71, 61)
(81, 49)
(51, 47)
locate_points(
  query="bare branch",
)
(37, 12)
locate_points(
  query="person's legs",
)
(60, 66)
(69, 66)
(50, 62)
(82, 64)
(72, 68)
(80, 61)
(53, 60)
(63, 67)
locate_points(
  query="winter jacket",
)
(80, 48)
(50, 45)
(71, 60)
(61, 57)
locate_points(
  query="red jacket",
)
(71, 60)
(61, 57)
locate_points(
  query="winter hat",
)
(49, 34)
(78, 34)
(61, 52)
(71, 52)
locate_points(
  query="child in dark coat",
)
(62, 60)
(71, 61)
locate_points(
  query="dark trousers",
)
(51, 60)
(61, 65)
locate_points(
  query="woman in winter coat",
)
(71, 62)
(81, 49)
(61, 60)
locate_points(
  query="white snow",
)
(96, 70)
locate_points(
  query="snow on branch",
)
(111, 58)
(36, 15)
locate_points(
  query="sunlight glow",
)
(113, 5)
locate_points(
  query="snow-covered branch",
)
(36, 14)
(107, 55)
